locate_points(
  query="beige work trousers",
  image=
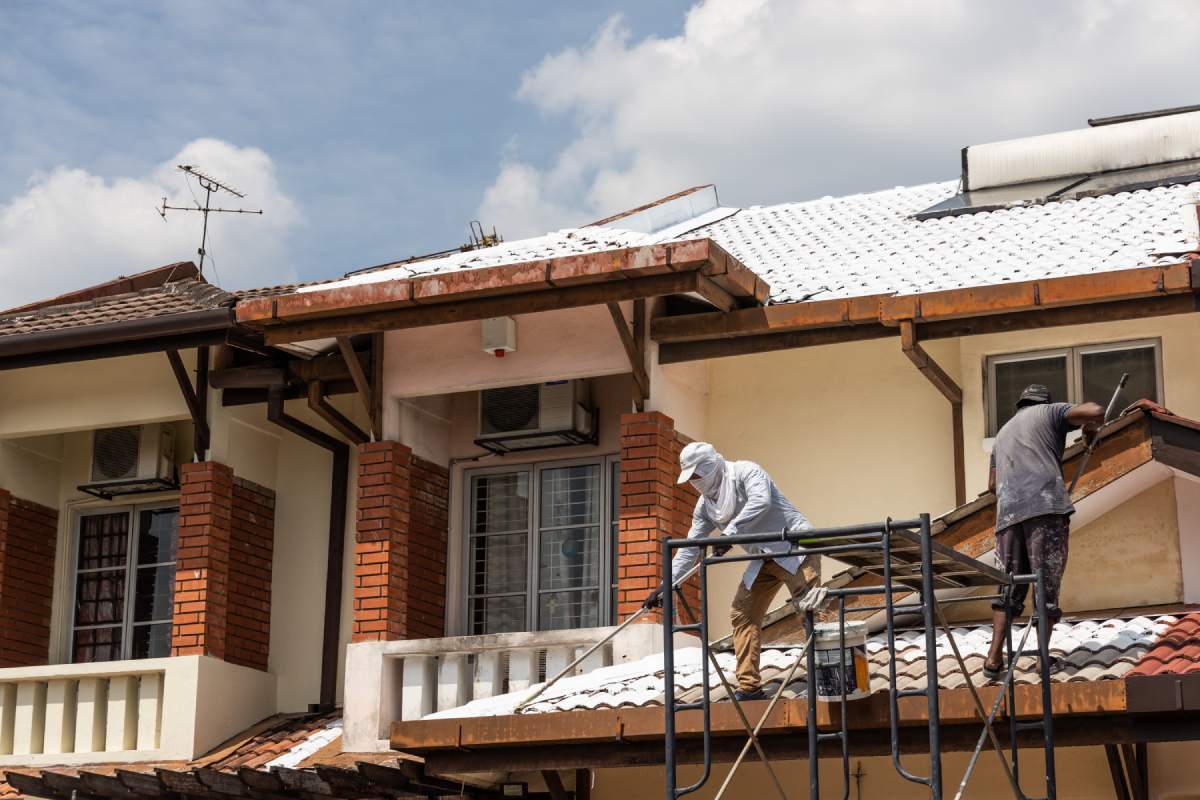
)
(751, 605)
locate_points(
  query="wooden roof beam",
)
(781, 338)
(552, 299)
(973, 307)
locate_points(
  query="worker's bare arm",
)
(1088, 416)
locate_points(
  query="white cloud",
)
(71, 229)
(779, 100)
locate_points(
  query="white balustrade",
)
(163, 708)
(403, 680)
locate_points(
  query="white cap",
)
(692, 456)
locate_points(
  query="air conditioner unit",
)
(536, 415)
(132, 459)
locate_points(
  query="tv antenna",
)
(209, 184)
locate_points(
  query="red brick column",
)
(251, 546)
(202, 569)
(28, 534)
(653, 507)
(381, 541)
(429, 524)
(400, 544)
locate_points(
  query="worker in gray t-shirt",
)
(1033, 511)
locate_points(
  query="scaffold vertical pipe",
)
(845, 728)
(810, 665)
(1011, 690)
(668, 626)
(931, 660)
(1044, 634)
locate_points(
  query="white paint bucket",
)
(836, 666)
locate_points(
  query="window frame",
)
(534, 470)
(132, 511)
(1074, 361)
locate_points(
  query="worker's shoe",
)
(993, 674)
(755, 694)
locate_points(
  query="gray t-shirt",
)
(1027, 457)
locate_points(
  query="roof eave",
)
(1118, 294)
(106, 339)
(630, 736)
(571, 281)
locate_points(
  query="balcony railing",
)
(404, 680)
(150, 709)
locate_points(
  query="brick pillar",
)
(202, 569)
(28, 534)
(400, 544)
(429, 524)
(251, 546)
(653, 507)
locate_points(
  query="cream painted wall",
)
(849, 432)
(45, 453)
(299, 472)
(30, 468)
(1082, 774)
(852, 432)
(554, 345)
(90, 394)
(1181, 379)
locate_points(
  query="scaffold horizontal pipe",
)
(816, 533)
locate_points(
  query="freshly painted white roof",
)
(869, 243)
(1091, 650)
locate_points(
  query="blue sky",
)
(372, 131)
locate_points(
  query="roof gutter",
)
(106, 339)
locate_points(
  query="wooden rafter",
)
(357, 374)
(196, 397)
(341, 423)
(950, 390)
(635, 352)
(554, 784)
(708, 289)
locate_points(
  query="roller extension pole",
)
(537, 690)
(1092, 446)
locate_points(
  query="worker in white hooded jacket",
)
(740, 497)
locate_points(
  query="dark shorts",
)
(1026, 546)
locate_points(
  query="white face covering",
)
(714, 480)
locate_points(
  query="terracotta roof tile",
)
(282, 740)
(1177, 651)
(178, 297)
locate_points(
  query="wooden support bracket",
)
(633, 342)
(554, 784)
(950, 390)
(366, 392)
(196, 397)
(322, 408)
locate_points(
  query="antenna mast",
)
(209, 184)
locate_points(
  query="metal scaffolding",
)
(905, 559)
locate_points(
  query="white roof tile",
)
(1091, 649)
(869, 243)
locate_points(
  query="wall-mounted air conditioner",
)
(132, 459)
(537, 415)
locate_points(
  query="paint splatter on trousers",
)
(1026, 546)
